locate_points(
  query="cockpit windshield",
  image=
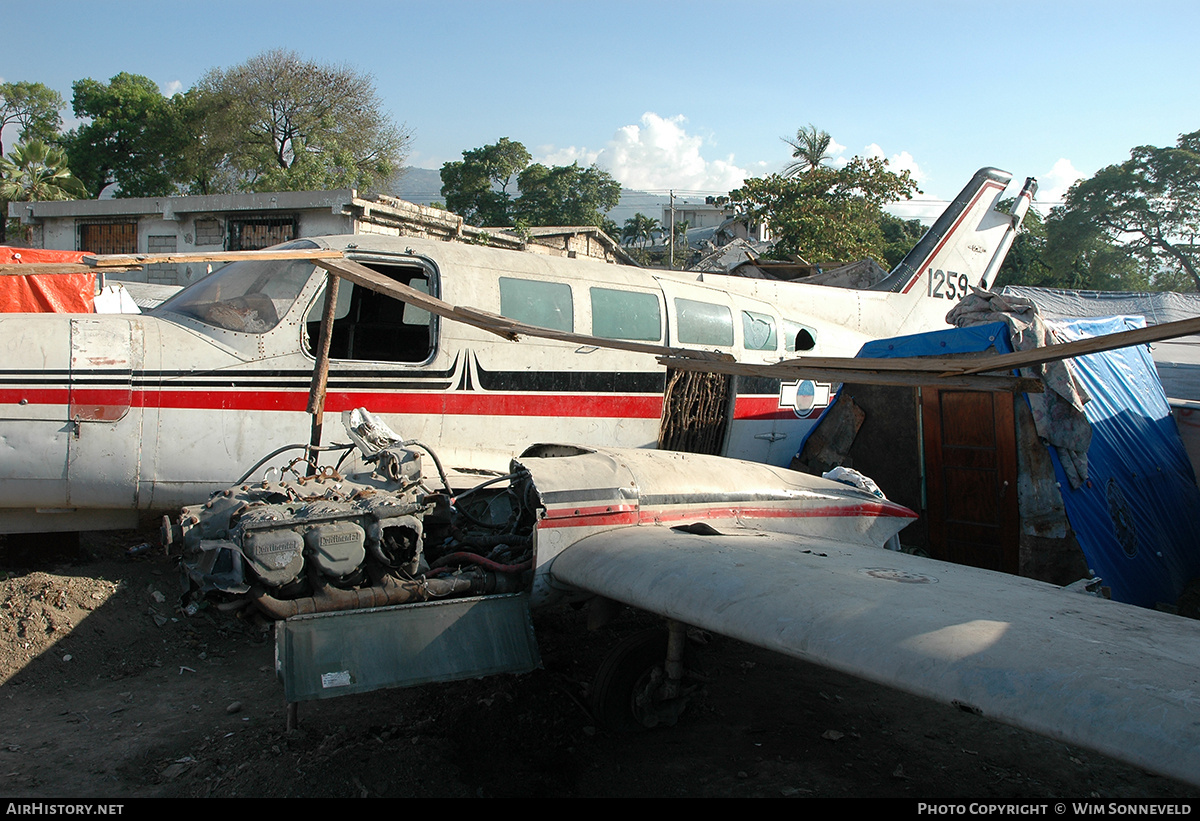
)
(249, 296)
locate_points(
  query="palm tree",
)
(809, 148)
(639, 227)
(36, 171)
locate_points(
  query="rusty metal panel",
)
(335, 654)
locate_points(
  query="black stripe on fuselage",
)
(571, 381)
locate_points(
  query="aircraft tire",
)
(625, 673)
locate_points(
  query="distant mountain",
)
(420, 185)
(424, 186)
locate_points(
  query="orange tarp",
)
(45, 293)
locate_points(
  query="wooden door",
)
(971, 478)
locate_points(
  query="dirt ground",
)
(108, 690)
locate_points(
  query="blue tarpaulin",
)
(1138, 516)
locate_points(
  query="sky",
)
(691, 96)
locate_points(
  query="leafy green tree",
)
(287, 123)
(206, 164)
(565, 195)
(826, 214)
(1149, 204)
(477, 187)
(1066, 251)
(899, 236)
(132, 136)
(34, 108)
(1078, 254)
(810, 149)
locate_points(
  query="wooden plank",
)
(1082, 347)
(116, 260)
(790, 370)
(41, 268)
(919, 370)
(494, 323)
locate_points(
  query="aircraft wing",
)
(1118, 679)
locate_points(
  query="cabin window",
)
(544, 304)
(374, 327)
(702, 323)
(758, 331)
(797, 337)
(625, 315)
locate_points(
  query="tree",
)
(35, 171)
(899, 237)
(681, 229)
(639, 228)
(1149, 204)
(810, 148)
(476, 187)
(1065, 251)
(32, 106)
(133, 136)
(286, 123)
(1078, 254)
(565, 195)
(206, 165)
(826, 214)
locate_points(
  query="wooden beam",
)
(41, 268)
(898, 376)
(494, 323)
(1082, 347)
(118, 260)
(946, 367)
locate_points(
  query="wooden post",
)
(320, 377)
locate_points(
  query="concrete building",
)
(244, 222)
(709, 215)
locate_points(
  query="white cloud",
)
(897, 162)
(172, 88)
(657, 154)
(1053, 185)
(549, 155)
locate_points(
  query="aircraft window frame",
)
(537, 302)
(627, 319)
(703, 323)
(791, 328)
(247, 296)
(753, 338)
(368, 307)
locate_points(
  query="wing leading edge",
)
(1119, 679)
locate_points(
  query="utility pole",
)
(671, 235)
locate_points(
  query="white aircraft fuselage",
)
(105, 415)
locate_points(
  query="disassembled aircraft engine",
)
(331, 542)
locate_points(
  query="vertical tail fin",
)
(970, 237)
(1022, 205)
(965, 246)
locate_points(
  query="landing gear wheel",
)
(627, 693)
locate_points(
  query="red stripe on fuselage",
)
(624, 406)
(622, 515)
